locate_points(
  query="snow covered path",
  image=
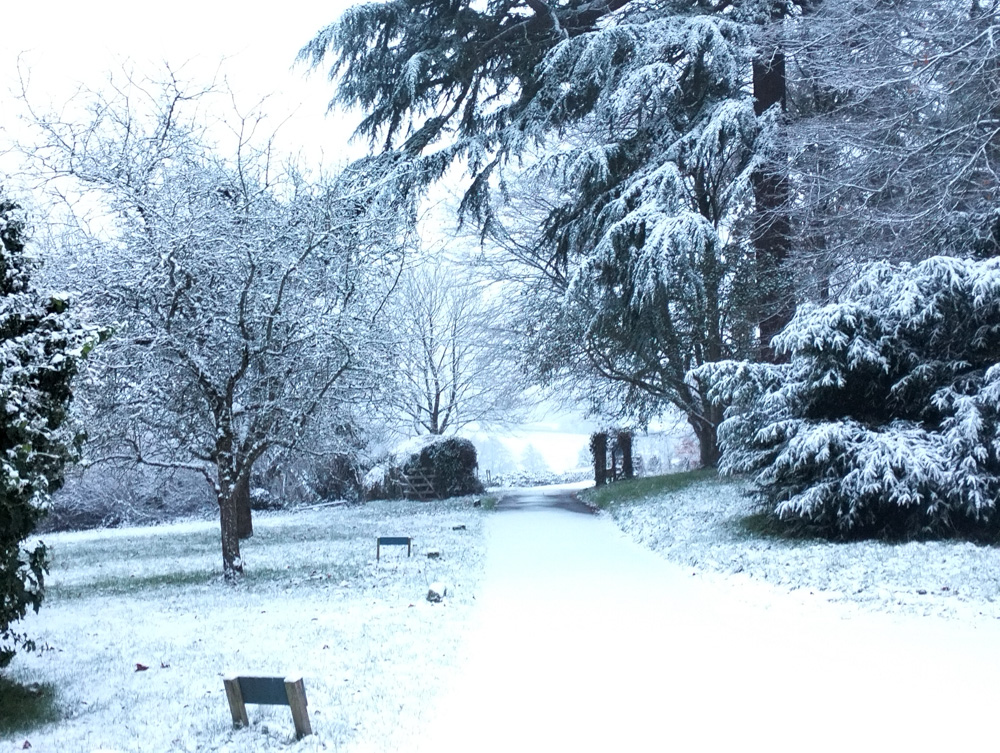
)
(586, 641)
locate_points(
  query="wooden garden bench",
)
(270, 691)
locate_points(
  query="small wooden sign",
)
(270, 691)
(382, 541)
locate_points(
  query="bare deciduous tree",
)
(242, 295)
(454, 365)
(896, 132)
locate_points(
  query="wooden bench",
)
(268, 691)
(382, 541)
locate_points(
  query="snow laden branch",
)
(637, 121)
(886, 419)
(646, 216)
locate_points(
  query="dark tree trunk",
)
(244, 515)
(232, 562)
(706, 428)
(625, 444)
(771, 232)
(708, 445)
(599, 451)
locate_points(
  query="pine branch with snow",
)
(886, 419)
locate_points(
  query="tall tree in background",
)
(895, 132)
(650, 232)
(242, 295)
(452, 365)
(40, 347)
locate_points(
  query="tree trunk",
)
(706, 426)
(625, 443)
(599, 451)
(232, 562)
(771, 232)
(708, 445)
(244, 516)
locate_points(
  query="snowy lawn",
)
(707, 523)
(373, 652)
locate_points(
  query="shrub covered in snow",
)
(451, 465)
(449, 462)
(39, 349)
(886, 419)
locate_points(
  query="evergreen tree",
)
(39, 351)
(652, 140)
(886, 420)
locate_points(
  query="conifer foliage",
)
(39, 351)
(886, 419)
(640, 120)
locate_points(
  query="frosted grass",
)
(374, 653)
(703, 527)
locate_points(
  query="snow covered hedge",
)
(40, 346)
(884, 422)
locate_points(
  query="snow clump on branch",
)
(886, 419)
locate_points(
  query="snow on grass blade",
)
(140, 629)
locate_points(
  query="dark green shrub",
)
(450, 464)
(885, 421)
(39, 350)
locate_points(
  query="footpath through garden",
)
(587, 641)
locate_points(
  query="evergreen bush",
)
(39, 350)
(885, 421)
(451, 464)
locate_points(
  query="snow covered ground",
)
(587, 641)
(372, 650)
(561, 633)
(701, 527)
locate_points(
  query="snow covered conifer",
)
(638, 119)
(886, 419)
(39, 350)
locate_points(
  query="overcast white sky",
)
(64, 44)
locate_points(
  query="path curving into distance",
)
(560, 497)
(585, 641)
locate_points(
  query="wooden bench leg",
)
(236, 705)
(296, 691)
